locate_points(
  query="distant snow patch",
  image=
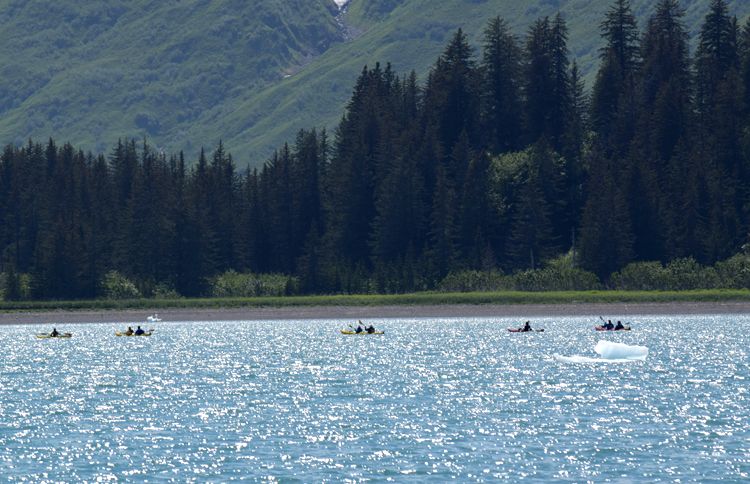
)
(341, 3)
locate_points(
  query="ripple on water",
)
(439, 399)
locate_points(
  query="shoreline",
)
(348, 313)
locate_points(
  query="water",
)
(429, 400)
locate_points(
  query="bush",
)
(475, 281)
(235, 284)
(734, 273)
(117, 286)
(679, 275)
(164, 291)
(640, 276)
(686, 274)
(551, 279)
(558, 275)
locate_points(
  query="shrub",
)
(734, 273)
(117, 286)
(556, 279)
(679, 275)
(640, 276)
(164, 291)
(235, 284)
(685, 274)
(475, 281)
(558, 275)
(11, 286)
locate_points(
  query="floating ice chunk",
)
(610, 353)
(619, 351)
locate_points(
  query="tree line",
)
(500, 160)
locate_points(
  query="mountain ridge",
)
(188, 79)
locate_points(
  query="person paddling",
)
(139, 331)
(129, 331)
(370, 329)
(609, 326)
(619, 326)
(526, 327)
(54, 333)
(359, 327)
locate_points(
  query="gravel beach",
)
(348, 313)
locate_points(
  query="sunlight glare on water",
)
(430, 399)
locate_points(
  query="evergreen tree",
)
(721, 120)
(452, 94)
(441, 252)
(477, 227)
(547, 82)
(532, 237)
(606, 238)
(665, 90)
(612, 98)
(501, 97)
(12, 284)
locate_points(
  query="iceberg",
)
(619, 351)
(610, 353)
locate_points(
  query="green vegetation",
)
(234, 285)
(187, 74)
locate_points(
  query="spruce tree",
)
(501, 96)
(532, 235)
(606, 238)
(611, 104)
(452, 94)
(442, 237)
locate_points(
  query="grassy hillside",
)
(410, 34)
(93, 71)
(191, 72)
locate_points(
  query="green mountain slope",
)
(189, 73)
(409, 34)
(94, 71)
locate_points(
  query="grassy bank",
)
(423, 298)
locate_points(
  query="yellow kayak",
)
(49, 336)
(123, 333)
(348, 331)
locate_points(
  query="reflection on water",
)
(434, 399)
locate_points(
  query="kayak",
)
(601, 328)
(122, 333)
(517, 330)
(347, 331)
(49, 336)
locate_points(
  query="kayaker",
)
(129, 331)
(526, 327)
(619, 326)
(370, 329)
(139, 331)
(609, 326)
(54, 333)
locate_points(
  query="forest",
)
(500, 166)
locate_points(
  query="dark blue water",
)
(429, 400)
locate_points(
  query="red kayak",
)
(602, 328)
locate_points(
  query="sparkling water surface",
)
(430, 400)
